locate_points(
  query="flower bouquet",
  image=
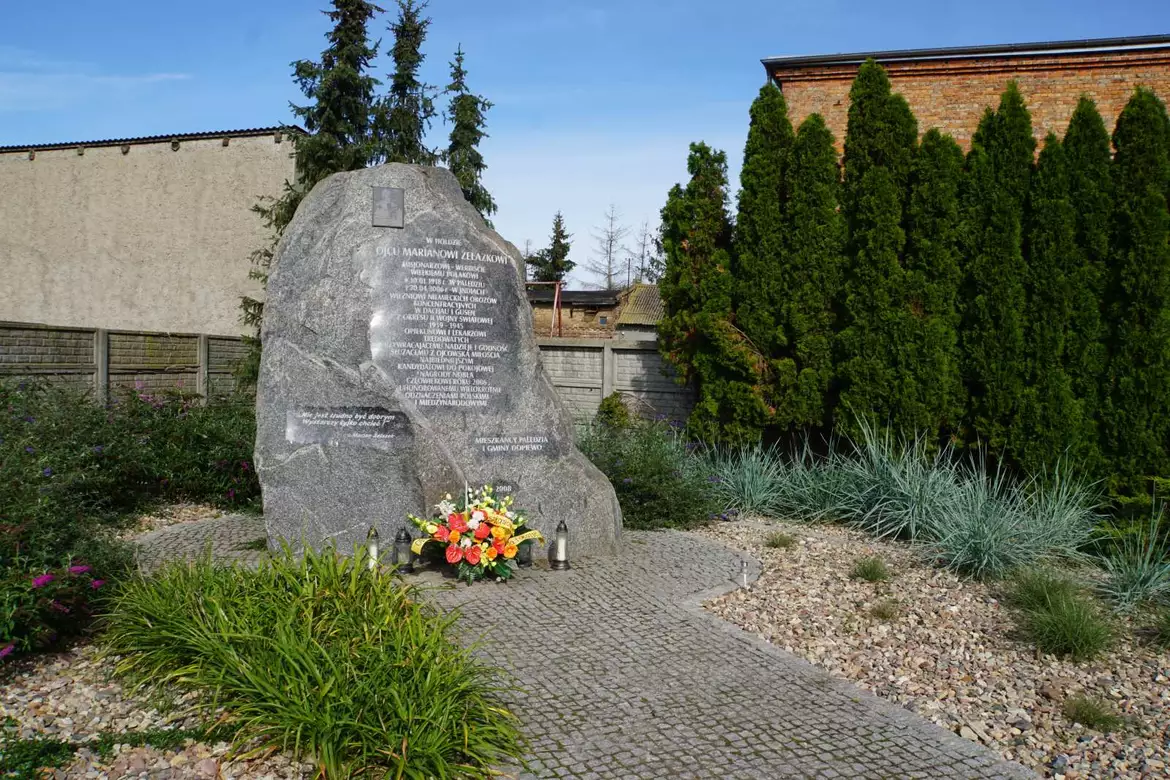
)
(481, 535)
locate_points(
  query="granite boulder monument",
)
(400, 363)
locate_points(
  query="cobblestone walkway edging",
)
(625, 675)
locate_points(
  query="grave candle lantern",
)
(372, 548)
(403, 558)
(558, 551)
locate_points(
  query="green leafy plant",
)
(1068, 625)
(659, 481)
(612, 412)
(871, 569)
(318, 656)
(27, 759)
(748, 479)
(1092, 713)
(1036, 588)
(778, 540)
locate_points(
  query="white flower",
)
(477, 517)
(446, 508)
(465, 541)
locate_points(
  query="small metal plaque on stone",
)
(389, 210)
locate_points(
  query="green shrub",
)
(1068, 625)
(870, 569)
(37, 609)
(318, 656)
(1138, 567)
(779, 540)
(1161, 632)
(613, 412)
(659, 482)
(1092, 713)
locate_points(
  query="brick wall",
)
(101, 361)
(952, 94)
(576, 322)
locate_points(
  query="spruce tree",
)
(879, 146)
(343, 134)
(552, 264)
(697, 335)
(1136, 417)
(759, 225)
(463, 158)
(1087, 152)
(409, 107)
(998, 168)
(934, 401)
(809, 279)
(1049, 424)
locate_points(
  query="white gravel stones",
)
(951, 653)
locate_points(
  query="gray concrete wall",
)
(147, 239)
(583, 370)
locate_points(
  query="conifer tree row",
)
(463, 158)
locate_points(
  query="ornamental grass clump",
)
(1138, 568)
(749, 479)
(1092, 713)
(871, 569)
(318, 656)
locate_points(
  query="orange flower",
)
(510, 551)
(491, 553)
(454, 537)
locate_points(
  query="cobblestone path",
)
(626, 676)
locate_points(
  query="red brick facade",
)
(950, 89)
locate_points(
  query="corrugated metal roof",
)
(1094, 45)
(155, 139)
(643, 306)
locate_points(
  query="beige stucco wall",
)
(153, 239)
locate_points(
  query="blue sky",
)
(595, 101)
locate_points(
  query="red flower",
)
(481, 531)
(454, 554)
(457, 523)
(443, 533)
(499, 545)
(472, 556)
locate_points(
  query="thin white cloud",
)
(30, 82)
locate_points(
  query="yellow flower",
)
(500, 532)
(431, 528)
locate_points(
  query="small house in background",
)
(640, 311)
(584, 314)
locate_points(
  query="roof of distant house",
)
(154, 139)
(601, 299)
(643, 306)
(1046, 48)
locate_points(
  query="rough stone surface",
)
(354, 319)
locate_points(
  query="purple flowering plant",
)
(38, 608)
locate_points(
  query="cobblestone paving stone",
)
(231, 537)
(625, 675)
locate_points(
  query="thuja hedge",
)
(1000, 298)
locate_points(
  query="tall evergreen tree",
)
(992, 334)
(759, 225)
(696, 334)
(808, 279)
(341, 119)
(1087, 152)
(1049, 424)
(552, 264)
(409, 107)
(879, 147)
(1136, 418)
(934, 400)
(466, 115)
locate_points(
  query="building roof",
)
(596, 299)
(155, 139)
(1089, 45)
(643, 306)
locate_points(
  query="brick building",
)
(950, 88)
